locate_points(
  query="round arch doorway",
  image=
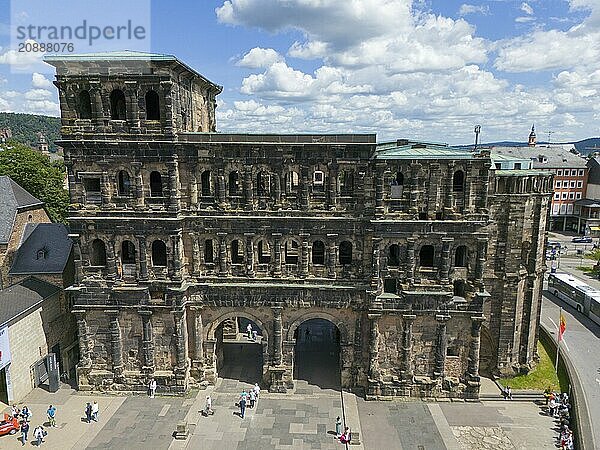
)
(317, 354)
(239, 350)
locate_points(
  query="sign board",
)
(4, 348)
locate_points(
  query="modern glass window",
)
(577, 195)
(564, 195)
(580, 184)
(572, 183)
(571, 195)
(581, 172)
(559, 172)
(557, 184)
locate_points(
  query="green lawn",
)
(541, 377)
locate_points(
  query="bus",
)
(576, 293)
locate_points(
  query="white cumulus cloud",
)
(259, 57)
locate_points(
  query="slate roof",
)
(125, 56)
(21, 297)
(53, 239)
(13, 199)
(555, 156)
(405, 149)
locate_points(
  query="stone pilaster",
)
(276, 188)
(105, 190)
(304, 183)
(85, 360)
(379, 208)
(116, 344)
(198, 349)
(197, 250)
(193, 189)
(376, 266)
(248, 188)
(481, 257)
(77, 259)
(277, 254)
(147, 342)
(441, 346)
(277, 336)
(474, 345)
(98, 116)
(449, 197)
(174, 198)
(333, 187)
(179, 319)
(111, 262)
(177, 256)
(374, 347)
(304, 255)
(221, 194)
(407, 346)
(138, 184)
(222, 255)
(249, 255)
(445, 266)
(411, 263)
(331, 255)
(143, 257)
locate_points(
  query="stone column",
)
(147, 342)
(481, 256)
(143, 257)
(249, 255)
(105, 190)
(116, 343)
(276, 188)
(333, 188)
(85, 360)
(410, 251)
(221, 194)
(96, 103)
(407, 356)
(193, 189)
(473, 367)
(177, 256)
(304, 255)
(277, 254)
(77, 259)
(174, 198)
(331, 256)
(374, 347)
(197, 254)
(303, 188)
(138, 184)
(132, 95)
(467, 193)
(376, 265)
(198, 348)
(222, 254)
(248, 188)
(277, 335)
(111, 262)
(179, 318)
(448, 200)
(441, 346)
(445, 269)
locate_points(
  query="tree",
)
(38, 175)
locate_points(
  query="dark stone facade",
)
(425, 259)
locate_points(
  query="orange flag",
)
(561, 327)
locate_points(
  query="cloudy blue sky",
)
(422, 69)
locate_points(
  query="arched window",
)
(291, 252)
(345, 252)
(458, 181)
(127, 252)
(237, 255)
(152, 106)
(263, 184)
(124, 183)
(460, 256)
(292, 181)
(209, 256)
(117, 105)
(264, 253)
(85, 105)
(318, 253)
(234, 183)
(98, 257)
(156, 187)
(459, 288)
(205, 181)
(159, 253)
(346, 183)
(426, 256)
(394, 255)
(399, 179)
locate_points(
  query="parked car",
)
(582, 240)
(553, 245)
(9, 425)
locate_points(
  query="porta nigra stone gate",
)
(426, 262)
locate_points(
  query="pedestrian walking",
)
(208, 408)
(51, 413)
(26, 414)
(95, 409)
(256, 390)
(249, 330)
(88, 412)
(24, 431)
(254, 335)
(152, 388)
(252, 396)
(39, 434)
(244, 395)
(15, 412)
(552, 406)
(338, 427)
(346, 436)
(242, 404)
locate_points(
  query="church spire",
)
(532, 137)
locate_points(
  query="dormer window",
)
(42, 253)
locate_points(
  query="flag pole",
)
(559, 339)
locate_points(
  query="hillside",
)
(25, 127)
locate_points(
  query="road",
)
(581, 340)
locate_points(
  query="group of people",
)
(24, 416)
(91, 411)
(252, 334)
(248, 399)
(344, 437)
(560, 409)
